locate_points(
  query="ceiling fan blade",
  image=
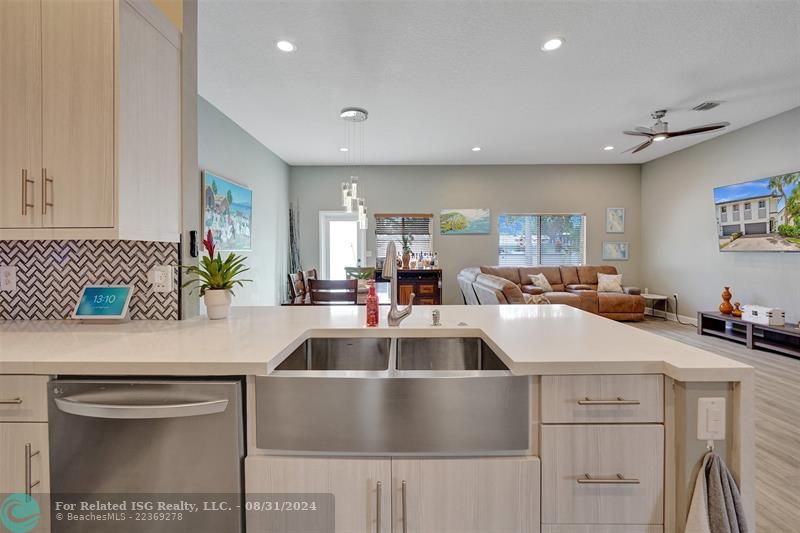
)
(638, 133)
(699, 129)
(640, 147)
(643, 129)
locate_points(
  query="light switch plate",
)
(711, 418)
(8, 278)
(161, 278)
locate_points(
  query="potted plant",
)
(407, 240)
(216, 278)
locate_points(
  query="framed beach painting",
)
(227, 212)
(615, 250)
(615, 220)
(465, 222)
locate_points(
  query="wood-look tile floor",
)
(777, 413)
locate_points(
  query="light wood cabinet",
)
(96, 97)
(358, 485)
(24, 458)
(603, 474)
(498, 495)
(20, 113)
(23, 398)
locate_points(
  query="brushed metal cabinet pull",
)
(29, 484)
(25, 183)
(379, 487)
(11, 401)
(618, 480)
(45, 181)
(405, 513)
(618, 401)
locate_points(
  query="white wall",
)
(227, 150)
(588, 189)
(679, 237)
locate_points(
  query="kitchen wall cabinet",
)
(100, 144)
(465, 495)
(468, 495)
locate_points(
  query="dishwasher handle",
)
(74, 406)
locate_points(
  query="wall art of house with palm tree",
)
(761, 215)
(227, 212)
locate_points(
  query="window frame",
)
(539, 248)
(380, 254)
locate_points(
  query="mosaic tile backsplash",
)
(50, 275)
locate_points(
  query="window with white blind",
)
(392, 227)
(542, 240)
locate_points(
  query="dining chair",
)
(333, 291)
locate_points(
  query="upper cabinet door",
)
(20, 114)
(78, 113)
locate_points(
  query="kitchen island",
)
(610, 412)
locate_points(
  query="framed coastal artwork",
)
(465, 222)
(615, 250)
(227, 212)
(615, 220)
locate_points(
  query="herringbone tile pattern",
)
(50, 275)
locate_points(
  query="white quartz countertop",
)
(531, 339)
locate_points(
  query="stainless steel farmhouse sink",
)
(380, 396)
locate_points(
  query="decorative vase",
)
(737, 311)
(725, 307)
(406, 260)
(218, 303)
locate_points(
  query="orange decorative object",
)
(737, 312)
(725, 307)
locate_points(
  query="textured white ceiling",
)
(439, 77)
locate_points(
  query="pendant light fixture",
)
(354, 119)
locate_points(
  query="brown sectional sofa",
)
(574, 286)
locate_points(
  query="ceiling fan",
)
(660, 131)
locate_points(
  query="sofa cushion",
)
(504, 290)
(580, 287)
(536, 299)
(553, 275)
(566, 298)
(614, 302)
(509, 273)
(588, 274)
(539, 280)
(609, 283)
(588, 300)
(532, 289)
(569, 275)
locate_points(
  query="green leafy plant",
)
(215, 273)
(789, 231)
(407, 240)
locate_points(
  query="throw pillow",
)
(609, 283)
(535, 299)
(540, 281)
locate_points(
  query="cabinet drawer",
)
(602, 399)
(426, 289)
(594, 528)
(23, 398)
(636, 453)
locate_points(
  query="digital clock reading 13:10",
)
(103, 301)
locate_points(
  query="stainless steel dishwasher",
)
(134, 441)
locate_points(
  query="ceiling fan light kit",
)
(660, 131)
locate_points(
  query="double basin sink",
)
(393, 396)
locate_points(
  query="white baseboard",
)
(670, 316)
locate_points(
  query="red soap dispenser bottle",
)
(372, 306)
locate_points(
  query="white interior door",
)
(341, 243)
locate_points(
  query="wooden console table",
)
(781, 339)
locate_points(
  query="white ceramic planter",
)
(218, 303)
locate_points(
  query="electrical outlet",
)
(8, 278)
(161, 278)
(711, 418)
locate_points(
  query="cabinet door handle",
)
(618, 480)
(45, 181)
(11, 401)
(379, 487)
(25, 183)
(405, 513)
(29, 484)
(618, 401)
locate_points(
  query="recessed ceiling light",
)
(344, 149)
(476, 148)
(552, 44)
(286, 46)
(608, 148)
